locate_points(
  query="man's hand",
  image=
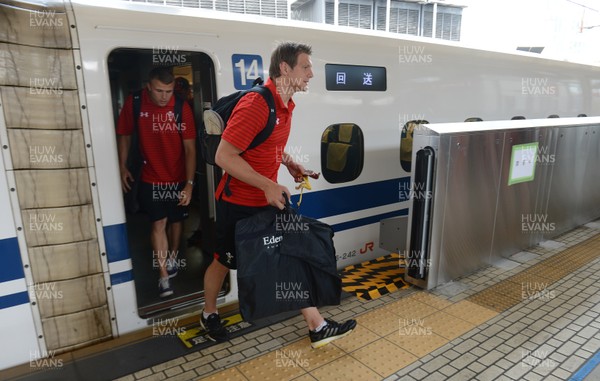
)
(296, 170)
(274, 194)
(126, 180)
(185, 196)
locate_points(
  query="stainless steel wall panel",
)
(477, 218)
(471, 196)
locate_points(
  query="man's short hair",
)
(162, 74)
(287, 52)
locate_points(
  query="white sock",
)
(207, 315)
(321, 326)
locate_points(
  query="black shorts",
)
(160, 200)
(228, 215)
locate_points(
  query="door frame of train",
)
(203, 87)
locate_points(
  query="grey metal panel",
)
(518, 211)
(473, 171)
(567, 182)
(591, 169)
(575, 187)
(392, 233)
(478, 218)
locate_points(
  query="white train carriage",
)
(78, 269)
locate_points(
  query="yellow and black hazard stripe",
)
(370, 280)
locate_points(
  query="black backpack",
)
(215, 120)
(135, 160)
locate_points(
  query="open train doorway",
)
(195, 85)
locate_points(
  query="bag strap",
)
(264, 134)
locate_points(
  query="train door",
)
(128, 71)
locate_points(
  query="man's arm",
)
(123, 144)
(189, 146)
(229, 159)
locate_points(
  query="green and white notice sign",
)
(522, 163)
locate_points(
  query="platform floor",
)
(535, 316)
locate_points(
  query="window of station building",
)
(342, 152)
(358, 14)
(447, 25)
(406, 143)
(404, 17)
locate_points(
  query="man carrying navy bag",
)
(252, 184)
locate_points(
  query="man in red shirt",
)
(253, 183)
(169, 162)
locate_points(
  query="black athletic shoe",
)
(214, 327)
(330, 332)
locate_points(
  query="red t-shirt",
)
(161, 143)
(248, 118)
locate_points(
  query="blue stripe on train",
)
(319, 204)
(368, 220)
(352, 198)
(122, 277)
(117, 246)
(12, 266)
(12, 300)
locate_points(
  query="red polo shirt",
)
(161, 143)
(248, 118)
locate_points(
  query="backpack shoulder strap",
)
(137, 107)
(178, 110)
(265, 132)
(270, 126)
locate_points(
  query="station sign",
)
(355, 78)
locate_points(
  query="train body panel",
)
(424, 80)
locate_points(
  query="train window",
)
(518, 117)
(553, 116)
(342, 152)
(406, 143)
(474, 119)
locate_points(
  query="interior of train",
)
(128, 72)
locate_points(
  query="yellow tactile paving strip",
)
(394, 336)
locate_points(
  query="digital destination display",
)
(355, 78)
